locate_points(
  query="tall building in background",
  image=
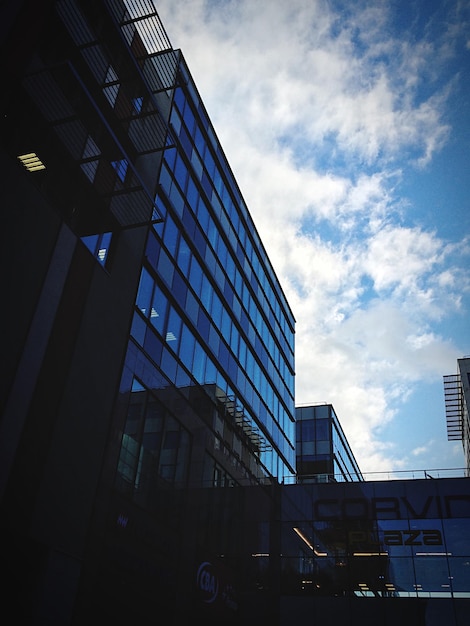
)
(323, 453)
(457, 403)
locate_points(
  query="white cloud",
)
(320, 115)
(419, 450)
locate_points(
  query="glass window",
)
(187, 345)
(209, 163)
(308, 448)
(457, 536)
(176, 199)
(195, 275)
(121, 168)
(203, 324)
(199, 141)
(214, 340)
(192, 195)
(212, 234)
(170, 235)
(138, 329)
(192, 307)
(322, 429)
(189, 119)
(179, 288)
(173, 330)
(153, 426)
(159, 310)
(197, 165)
(181, 172)
(165, 267)
(166, 180)
(234, 341)
(153, 345)
(226, 325)
(400, 577)
(137, 104)
(460, 575)
(210, 374)
(432, 575)
(184, 256)
(179, 99)
(144, 292)
(395, 537)
(206, 293)
(175, 121)
(216, 310)
(307, 430)
(199, 364)
(99, 246)
(168, 364)
(323, 447)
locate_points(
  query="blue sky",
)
(347, 127)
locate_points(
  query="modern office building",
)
(147, 404)
(457, 403)
(323, 453)
(149, 345)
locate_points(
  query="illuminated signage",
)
(214, 587)
(207, 582)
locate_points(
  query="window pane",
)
(159, 309)
(145, 292)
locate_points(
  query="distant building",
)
(457, 403)
(323, 453)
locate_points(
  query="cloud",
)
(419, 450)
(322, 113)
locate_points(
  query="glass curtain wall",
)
(209, 310)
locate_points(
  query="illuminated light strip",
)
(433, 554)
(305, 540)
(370, 553)
(32, 162)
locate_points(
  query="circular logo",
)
(207, 582)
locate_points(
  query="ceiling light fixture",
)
(32, 162)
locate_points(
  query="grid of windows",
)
(322, 451)
(262, 305)
(398, 539)
(207, 290)
(154, 446)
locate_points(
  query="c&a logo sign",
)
(215, 588)
(207, 582)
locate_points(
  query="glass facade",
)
(209, 311)
(322, 450)
(149, 428)
(395, 539)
